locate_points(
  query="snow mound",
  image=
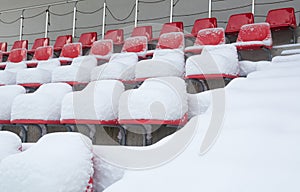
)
(247, 67)
(99, 100)
(8, 75)
(287, 58)
(43, 104)
(120, 66)
(162, 98)
(10, 144)
(165, 62)
(57, 162)
(218, 59)
(7, 96)
(78, 71)
(41, 74)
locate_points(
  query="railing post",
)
(209, 8)
(136, 13)
(74, 19)
(47, 23)
(103, 19)
(21, 24)
(253, 6)
(171, 11)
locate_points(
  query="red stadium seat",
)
(41, 54)
(3, 46)
(40, 42)
(203, 24)
(20, 44)
(70, 51)
(142, 31)
(102, 49)
(117, 35)
(87, 39)
(138, 45)
(15, 56)
(173, 40)
(172, 27)
(61, 41)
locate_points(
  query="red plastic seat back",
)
(172, 27)
(135, 44)
(40, 42)
(17, 55)
(203, 24)
(102, 47)
(254, 32)
(43, 53)
(174, 40)
(211, 36)
(71, 50)
(61, 41)
(87, 39)
(3, 46)
(116, 35)
(236, 21)
(284, 17)
(142, 31)
(20, 44)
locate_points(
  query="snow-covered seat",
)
(39, 42)
(8, 75)
(41, 107)
(77, 73)
(15, 56)
(10, 144)
(40, 54)
(210, 36)
(157, 101)
(102, 49)
(170, 27)
(121, 66)
(137, 44)
(35, 77)
(143, 31)
(96, 104)
(57, 162)
(203, 23)
(69, 52)
(165, 62)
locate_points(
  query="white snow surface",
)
(8, 75)
(256, 147)
(57, 162)
(165, 62)
(41, 74)
(218, 59)
(78, 71)
(10, 144)
(7, 96)
(43, 104)
(163, 98)
(290, 52)
(99, 100)
(247, 67)
(121, 66)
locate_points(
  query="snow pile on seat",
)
(57, 162)
(78, 71)
(219, 59)
(7, 96)
(10, 144)
(43, 104)
(247, 67)
(8, 75)
(99, 100)
(165, 62)
(102, 49)
(163, 98)
(41, 74)
(137, 44)
(120, 66)
(255, 139)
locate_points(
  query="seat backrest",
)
(173, 40)
(284, 17)
(71, 50)
(3, 46)
(116, 35)
(138, 44)
(143, 31)
(61, 41)
(203, 24)
(43, 53)
(87, 39)
(236, 21)
(171, 27)
(102, 47)
(17, 55)
(210, 36)
(20, 44)
(40, 42)
(254, 32)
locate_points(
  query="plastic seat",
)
(20, 44)
(40, 42)
(102, 49)
(3, 46)
(210, 36)
(142, 31)
(171, 27)
(137, 44)
(61, 41)
(96, 104)
(40, 54)
(69, 52)
(158, 101)
(87, 39)
(15, 56)
(236, 21)
(116, 35)
(203, 23)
